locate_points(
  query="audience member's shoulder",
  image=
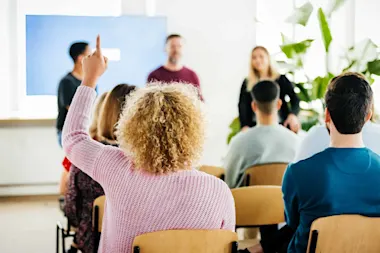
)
(243, 137)
(210, 178)
(288, 132)
(318, 130)
(375, 156)
(309, 162)
(371, 128)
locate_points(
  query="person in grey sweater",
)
(267, 142)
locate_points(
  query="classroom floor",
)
(27, 224)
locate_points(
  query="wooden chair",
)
(186, 241)
(258, 206)
(64, 233)
(97, 220)
(213, 170)
(346, 234)
(265, 174)
(61, 231)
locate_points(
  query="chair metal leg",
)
(313, 241)
(57, 242)
(96, 229)
(234, 247)
(63, 241)
(247, 180)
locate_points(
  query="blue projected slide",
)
(134, 44)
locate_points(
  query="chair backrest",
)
(345, 233)
(265, 174)
(258, 205)
(186, 241)
(98, 212)
(213, 170)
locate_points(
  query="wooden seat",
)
(265, 174)
(186, 241)
(213, 170)
(258, 205)
(345, 234)
(97, 219)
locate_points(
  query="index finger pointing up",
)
(98, 48)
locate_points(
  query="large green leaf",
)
(308, 118)
(235, 124)
(301, 15)
(307, 124)
(293, 49)
(235, 129)
(325, 29)
(320, 85)
(304, 94)
(334, 5)
(374, 67)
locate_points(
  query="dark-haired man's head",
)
(349, 101)
(78, 51)
(174, 45)
(266, 100)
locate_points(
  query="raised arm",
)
(78, 145)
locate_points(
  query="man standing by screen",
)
(173, 70)
(69, 83)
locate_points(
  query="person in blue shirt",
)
(342, 179)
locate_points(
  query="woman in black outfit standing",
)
(261, 69)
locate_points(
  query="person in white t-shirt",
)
(318, 139)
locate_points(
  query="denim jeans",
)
(59, 136)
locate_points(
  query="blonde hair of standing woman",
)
(253, 74)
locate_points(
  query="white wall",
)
(219, 35)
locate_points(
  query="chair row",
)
(264, 174)
(257, 206)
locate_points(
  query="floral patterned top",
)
(79, 200)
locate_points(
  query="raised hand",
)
(94, 66)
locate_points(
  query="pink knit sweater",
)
(139, 202)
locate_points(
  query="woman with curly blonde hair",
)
(150, 183)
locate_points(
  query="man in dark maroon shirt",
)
(173, 70)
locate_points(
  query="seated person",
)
(342, 179)
(268, 142)
(150, 181)
(318, 139)
(82, 190)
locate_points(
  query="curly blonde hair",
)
(162, 127)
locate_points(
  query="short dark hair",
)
(349, 99)
(172, 36)
(265, 94)
(77, 49)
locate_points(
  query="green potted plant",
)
(362, 57)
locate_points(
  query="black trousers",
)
(274, 240)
